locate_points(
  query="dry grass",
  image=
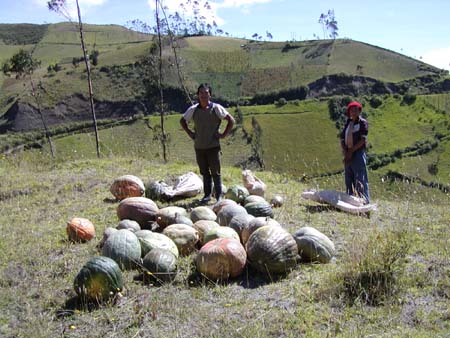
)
(38, 265)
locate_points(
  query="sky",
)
(415, 28)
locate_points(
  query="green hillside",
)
(298, 138)
(236, 67)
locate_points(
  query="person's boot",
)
(218, 187)
(207, 187)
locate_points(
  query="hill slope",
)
(236, 68)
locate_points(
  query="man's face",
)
(204, 95)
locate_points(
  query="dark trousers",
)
(356, 180)
(208, 161)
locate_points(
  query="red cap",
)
(353, 104)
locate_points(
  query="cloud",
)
(241, 3)
(439, 57)
(70, 8)
(212, 13)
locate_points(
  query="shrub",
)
(375, 101)
(372, 269)
(409, 99)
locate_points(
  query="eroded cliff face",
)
(23, 116)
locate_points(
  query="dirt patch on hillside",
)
(25, 117)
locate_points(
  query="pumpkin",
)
(239, 222)
(259, 209)
(80, 229)
(237, 193)
(108, 232)
(220, 232)
(151, 240)
(156, 190)
(272, 250)
(221, 203)
(221, 259)
(314, 246)
(255, 224)
(98, 279)
(184, 236)
(253, 198)
(203, 227)
(228, 212)
(277, 201)
(123, 246)
(128, 224)
(161, 264)
(140, 209)
(202, 213)
(168, 215)
(127, 186)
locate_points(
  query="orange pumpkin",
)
(127, 186)
(80, 229)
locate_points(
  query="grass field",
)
(408, 235)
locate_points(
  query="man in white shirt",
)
(207, 117)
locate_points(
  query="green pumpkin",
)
(98, 279)
(220, 232)
(237, 193)
(259, 209)
(314, 246)
(151, 240)
(123, 246)
(202, 213)
(272, 250)
(160, 264)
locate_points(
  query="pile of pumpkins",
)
(222, 238)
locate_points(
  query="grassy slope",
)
(38, 265)
(298, 139)
(226, 62)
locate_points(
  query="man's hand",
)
(348, 155)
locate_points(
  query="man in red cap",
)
(353, 143)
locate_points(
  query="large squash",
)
(203, 227)
(272, 250)
(128, 224)
(202, 213)
(106, 234)
(220, 232)
(314, 246)
(151, 240)
(80, 229)
(123, 246)
(140, 209)
(98, 279)
(225, 215)
(239, 222)
(221, 259)
(254, 198)
(169, 215)
(222, 203)
(259, 209)
(254, 224)
(160, 264)
(127, 186)
(184, 236)
(237, 193)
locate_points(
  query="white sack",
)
(253, 184)
(340, 200)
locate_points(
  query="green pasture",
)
(430, 167)
(403, 247)
(395, 126)
(375, 62)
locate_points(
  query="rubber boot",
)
(218, 187)
(207, 187)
